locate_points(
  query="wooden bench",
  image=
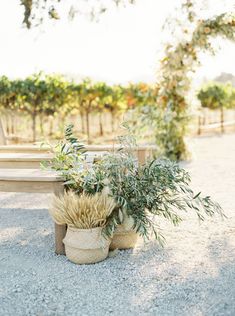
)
(19, 172)
(35, 181)
(23, 149)
(24, 160)
(142, 151)
(5, 139)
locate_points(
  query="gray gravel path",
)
(193, 275)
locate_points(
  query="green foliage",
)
(159, 188)
(167, 129)
(69, 156)
(38, 94)
(216, 95)
(58, 94)
(232, 99)
(180, 61)
(52, 95)
(37, 11)
(181, 57)
(32, 94)
(9, 93)
(140, 94)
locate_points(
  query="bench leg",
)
(141, 156)
(60, 231)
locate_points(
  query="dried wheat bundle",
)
(82, 211)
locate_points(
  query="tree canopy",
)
(37, 11)
(191, 34)
(216, 96)
(48, 95)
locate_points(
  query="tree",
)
(58, 98)
(180, 61)
(169, 121)
(232, 99)
(9, 100)
(77, 100)
(40, 95)
(32, 95)
(103, 97)
(37, 11)
(140, 94)
(88, 95)
(116, 103)
(215, 96)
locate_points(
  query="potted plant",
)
(142, 193)
(85, 216)
(124, 236)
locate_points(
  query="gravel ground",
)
(193, 275)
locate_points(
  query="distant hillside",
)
(226, 77)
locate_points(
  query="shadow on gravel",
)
(26, 228)
(164, 287)
(148, 280)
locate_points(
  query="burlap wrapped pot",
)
(83, 246)
(123, 238)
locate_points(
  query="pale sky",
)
(124, 46)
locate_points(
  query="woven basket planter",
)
(123, 238)
(84, 246)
